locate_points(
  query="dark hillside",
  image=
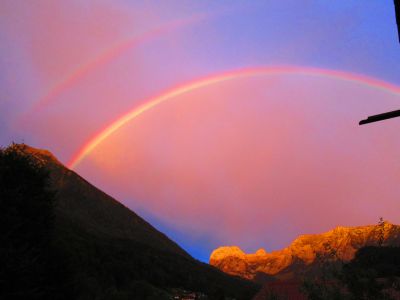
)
(102, 250)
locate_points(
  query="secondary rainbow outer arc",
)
(210, 80)
(109, 54)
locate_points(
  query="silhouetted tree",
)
(324, 283)
(381, 229)
(372, 275)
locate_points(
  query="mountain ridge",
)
(340, 243)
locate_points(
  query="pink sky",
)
(256, 162)
(252, 162)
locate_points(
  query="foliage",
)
(324, 284)
(372, 275)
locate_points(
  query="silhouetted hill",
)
(109, 252)
(99, 214)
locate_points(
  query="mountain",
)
(79, 202)
(306, 254)
(109, 252)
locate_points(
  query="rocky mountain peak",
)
(227, 251)
(340, 243)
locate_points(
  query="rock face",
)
(305, 253)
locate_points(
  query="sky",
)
(219, 122)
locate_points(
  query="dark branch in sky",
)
(396, 113)
(381, 117)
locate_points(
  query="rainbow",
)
(108, 55)
(214, 79)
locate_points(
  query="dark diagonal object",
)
(397, 8)
(381, 117)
